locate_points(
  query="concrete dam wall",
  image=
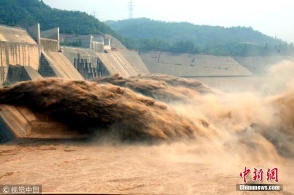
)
(193, 65)
(32, 55)
(17, 54)
(85, 61)
(60, 66)
(21, 73)
(19, 122)
(16, 48)
(116, 63)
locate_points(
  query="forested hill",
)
(146, 34)
(186, 37)
(26, 13)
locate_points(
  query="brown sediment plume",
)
(88, 106)
(161, 87)
(280, 129)
(120, 107)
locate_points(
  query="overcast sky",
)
(271, 17)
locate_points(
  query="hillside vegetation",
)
(25, 13)
(145, 34)
(185, 37)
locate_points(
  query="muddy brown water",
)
(193, 143)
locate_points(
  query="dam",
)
(32, 54)
(35, 55)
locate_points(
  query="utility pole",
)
(131, 7)
(94, 14)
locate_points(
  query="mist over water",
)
(191, 118)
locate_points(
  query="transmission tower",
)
(131, 8)
(94, 14)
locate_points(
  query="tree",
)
(186, 37)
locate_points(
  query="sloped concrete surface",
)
(33, 74)
(115, 63)
(189, 65)
(20, 122)
(135, 60)
(260, 64)
(62, 66)
(18, 35)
